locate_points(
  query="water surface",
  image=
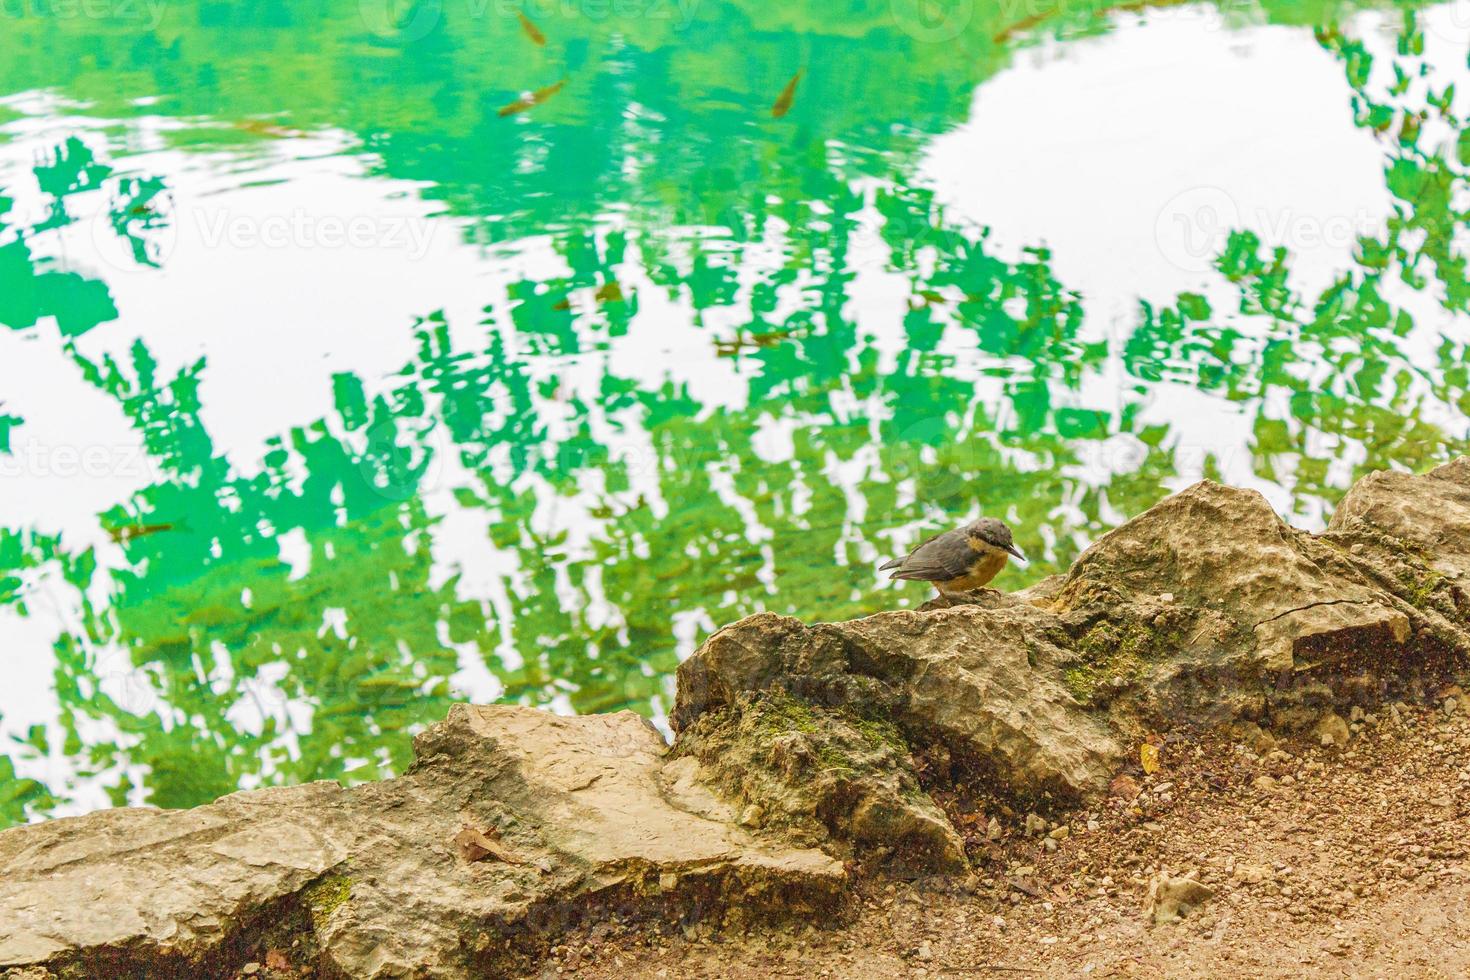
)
(329, 394)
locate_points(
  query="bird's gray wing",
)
(938, 559)
(898, 562)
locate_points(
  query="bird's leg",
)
(943, 596)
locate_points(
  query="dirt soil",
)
(1334, 853)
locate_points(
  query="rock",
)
(1043, 691)
(372, 874)
(1124, 787)
(1060, 833)
(1250, 874)
(1449, 705)
(821, 775)
(1264, 783)
(1035, 824)
(993, 830)
(1253, 737)
(1426, 516)
(1257, 600)
(973, 679)
(752, 816)
(1331, 730)
(1171, 899)
(1415, 533)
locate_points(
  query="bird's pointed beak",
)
(1017, 552)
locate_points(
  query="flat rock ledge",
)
(805, 754)
(511, 826)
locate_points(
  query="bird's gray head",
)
(994, 532)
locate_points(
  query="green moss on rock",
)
(1420, 586)
(325, 896)
(1117, 654)
(825, 777)
(881, 733)
(775, 712)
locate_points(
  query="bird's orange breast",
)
(986, 566)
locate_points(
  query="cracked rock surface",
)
(371, 877)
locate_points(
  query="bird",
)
(955, 561)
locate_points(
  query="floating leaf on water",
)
(532, 31)
(787, 96)
(531, 99)
(122, 535)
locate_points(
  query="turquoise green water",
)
(332, 392)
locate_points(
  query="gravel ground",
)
(1339, 852)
